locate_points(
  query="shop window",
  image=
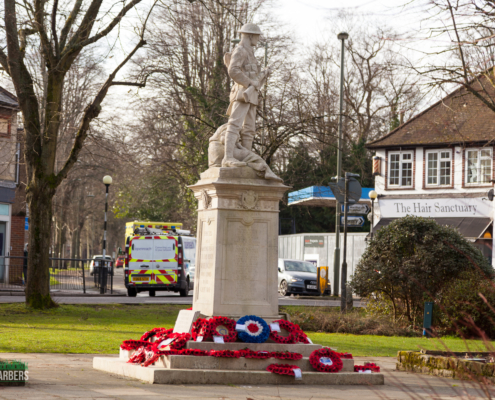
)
(479, 164)
(400, 173)
(439, 168)
(4, 209)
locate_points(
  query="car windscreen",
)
(300, 266)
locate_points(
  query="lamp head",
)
(373, 195)
(343, 36)
(107, 180)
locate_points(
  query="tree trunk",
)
(40, 218)
(73, 247)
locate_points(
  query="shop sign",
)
(436, 208)
(314, 241)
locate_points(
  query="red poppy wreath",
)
(286, 355)
(325, 360)
(223, 326)
(200, 327)
(293, 330)
(282, 369)
(367, 366)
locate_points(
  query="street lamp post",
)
(336, 257)
(373, 195)
(107, 181)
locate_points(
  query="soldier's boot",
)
(247, 142)
(228, 159)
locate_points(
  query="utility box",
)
(322, 280)
(427, 319)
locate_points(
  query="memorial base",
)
(197, 370)
(237, 243)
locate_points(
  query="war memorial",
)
(234, 333)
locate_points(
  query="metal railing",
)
(66, 274)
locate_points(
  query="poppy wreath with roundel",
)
(367, 366)
(257, 330)
(229, 324)
(286, 355)
(133, 344)
(282, 369)
(200, 327)
(293, 330)
(325, 360)
(225, 353)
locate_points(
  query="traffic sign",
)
(357, 209)
(338, 190)
(352, 221)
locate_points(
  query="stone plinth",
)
(237, 250)
(209, 374)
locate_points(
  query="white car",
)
(97, 261)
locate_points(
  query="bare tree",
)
(61, 34)
(467, 31)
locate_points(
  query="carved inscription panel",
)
(244, 277)
(205, 279)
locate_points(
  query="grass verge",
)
(102, 328)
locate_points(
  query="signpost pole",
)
(336, 257)
(343, 296)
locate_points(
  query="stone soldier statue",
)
(248, 77)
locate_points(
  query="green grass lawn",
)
(101, 329)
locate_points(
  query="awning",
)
(320, 196)
(470, 228)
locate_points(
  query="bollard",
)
(349, 300)
(427, 319)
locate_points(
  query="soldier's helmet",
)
(250, 28)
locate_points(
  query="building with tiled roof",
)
(441, 164)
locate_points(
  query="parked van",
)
(160, 263)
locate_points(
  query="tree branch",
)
(69, 22)
(39, 24)
(54, 28)
(4, 61)
(92, 111)
(112, 24)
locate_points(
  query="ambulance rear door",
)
(141, 260)
(165, 265)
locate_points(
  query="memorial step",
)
(301, 348)
(240, 364)
(159, 375)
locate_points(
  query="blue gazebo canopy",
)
(320, 196)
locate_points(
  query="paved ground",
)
(62, 376)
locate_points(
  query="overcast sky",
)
(310, 18)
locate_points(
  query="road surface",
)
(160, 298)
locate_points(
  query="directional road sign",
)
(353, 222)
(357, 209)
